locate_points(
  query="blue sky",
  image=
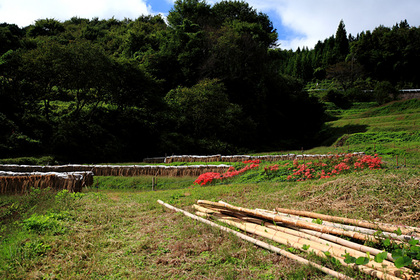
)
(298, 22)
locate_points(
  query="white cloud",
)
(318, 20)
(314, 20)
(26, 12)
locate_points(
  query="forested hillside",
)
(208, 79)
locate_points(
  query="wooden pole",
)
(280, 219)
(360, 223)
(318, 249)
(259, 243)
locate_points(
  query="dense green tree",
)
(341, 46)
(46, 27)
(209, 79)
(390, 54)
(10, 37)
(384, 91)
(203, 111)
(196, 11)
(229, 11)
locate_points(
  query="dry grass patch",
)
(381, 196)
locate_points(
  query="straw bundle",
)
(154, 160)
(19, 183)
(122, 170)
(241, 158)
(192, 158)
(320, 239)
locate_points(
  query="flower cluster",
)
(208, 177)
(372, 162)
(331, 166)
(255, 161)
(335, 165)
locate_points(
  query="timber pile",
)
(20, 182)
(122, 170)
(299, 232)
(241, 158)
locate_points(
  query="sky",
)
(299, 23)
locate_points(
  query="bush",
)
(30, 160)
(338, 99)
(383, 92)
(357, 95)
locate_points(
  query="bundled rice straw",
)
(122, 170)
(240, 158)
(19, 183)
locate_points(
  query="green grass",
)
(390, 130)
(143, 183)
(116, 229)
(123, 233)
(394, 116)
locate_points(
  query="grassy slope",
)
(379, 130)
(123, 233)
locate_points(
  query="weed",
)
(42, 223)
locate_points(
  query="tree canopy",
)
(210, 79)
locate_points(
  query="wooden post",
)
(153, 183)
(397, 159)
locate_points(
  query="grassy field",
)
(391, 130)
(124, 233)
(116, 229)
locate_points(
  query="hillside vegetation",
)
(116, 229)
(209, 79)
(390, 130)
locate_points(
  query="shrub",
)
(338, 99)
(383, 92)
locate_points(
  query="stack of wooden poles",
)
(296, 229)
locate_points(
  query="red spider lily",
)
(256, 161)
(208, 177)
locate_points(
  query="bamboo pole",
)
(286, 236)
(344, 242)
(318, 250)
(280, 219)
(359, 229)
(341, 248)
(260, 243)
(334, 239)
(377, 226)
